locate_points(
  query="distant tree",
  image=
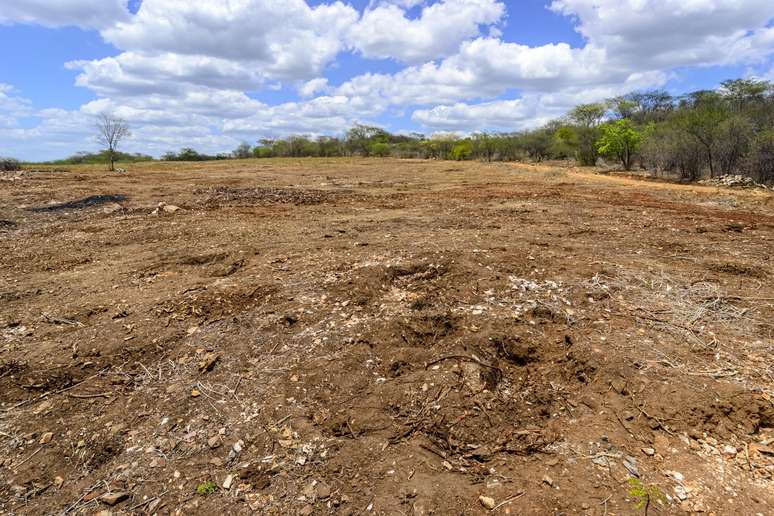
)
(462, 150)
(329, 146)
(537, 144)
(760, 161)
(360, 137)
(484, 146)
(623, 107)
(586, 119)
(703, 118)
(380, 149)
(111, 132)
(243, 151)
(621, 140)
(742, 92)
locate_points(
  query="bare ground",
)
(383, 337)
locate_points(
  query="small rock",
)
(46, 438)
(208, 362)
(661, 443)
(158, 463)
(630, 463)
(195, 393)
(171, 208)
(729, 450)
(112, 499)
(548, 480)
(680, 492)
(650, 452)
(306, 510)
(228, 481)
(487, 502)
(323, 491)
(58, 481)
(585, 506)
(112, 208)
(619, 385)
(214, 441)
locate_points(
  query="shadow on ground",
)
(87, 202)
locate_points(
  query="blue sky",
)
(210, 75)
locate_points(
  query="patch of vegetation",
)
(206, 488)
(644, 494)
(98, 158)
(189, 154)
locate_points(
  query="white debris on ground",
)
(733, 181)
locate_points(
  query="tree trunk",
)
(709, 157)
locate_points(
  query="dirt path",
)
(383, 337)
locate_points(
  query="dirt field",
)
(383, 337)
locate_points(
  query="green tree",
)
(620, 140)
(462, 150)
(380, 149)
(243, 151)
(703, 120)
(586, 119)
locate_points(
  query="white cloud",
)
(668, 33)
(284, 39)
(501, 114)
(386, 32)
(310, 88)
(185, 70)
(91, 14)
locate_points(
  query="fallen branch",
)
(462, 357)
(508, 500)
(87, 396)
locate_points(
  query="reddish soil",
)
(383, 337)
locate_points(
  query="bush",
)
(380, 149)
(462, 151)
(9, 165)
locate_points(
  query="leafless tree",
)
(111, 131)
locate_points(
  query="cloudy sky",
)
(212, 73)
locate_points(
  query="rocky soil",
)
(383, 337)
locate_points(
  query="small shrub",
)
(206, 488)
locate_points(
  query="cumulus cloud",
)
(668, 33)
(387, 32)
(310, 88)
(186, 72)
(89, 14)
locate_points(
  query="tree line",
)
(729, 130)
(703, 133)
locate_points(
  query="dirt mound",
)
(264, 196)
